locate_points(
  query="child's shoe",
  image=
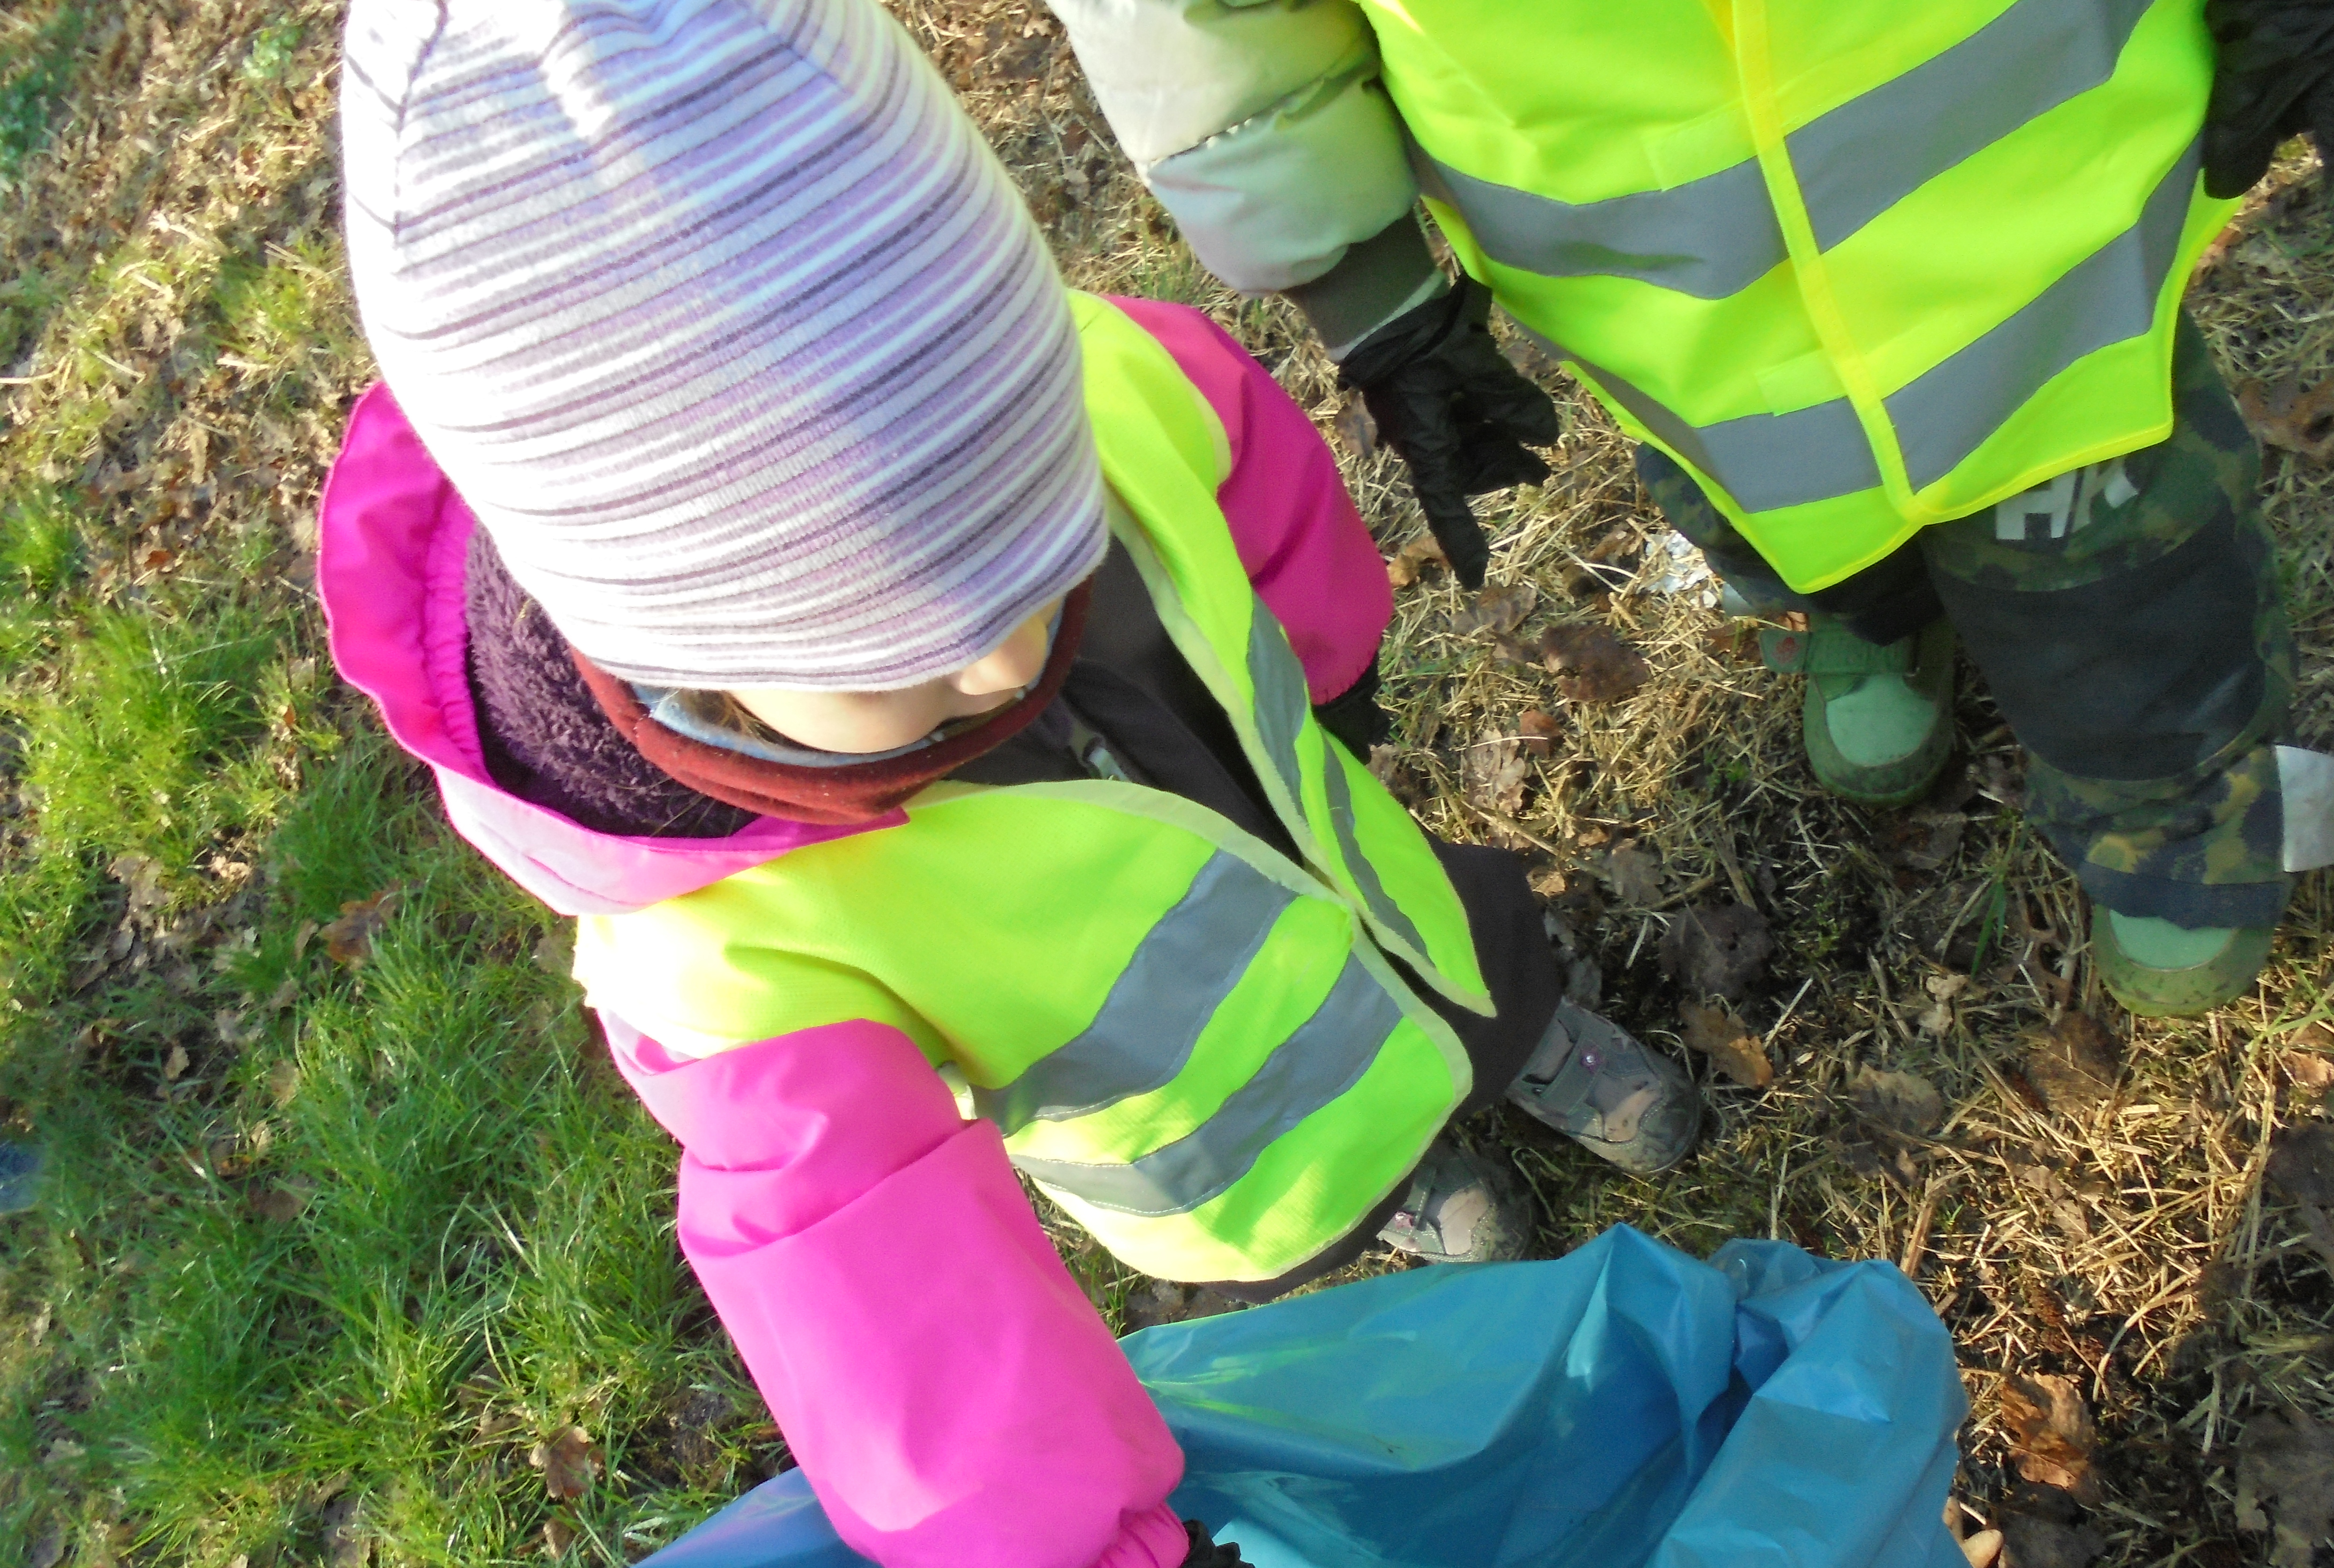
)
(1879, 720)
(1461, 1209)
(2159, 970)
(1595, 1084)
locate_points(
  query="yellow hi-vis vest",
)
(1193, 1044)
(1860, 265)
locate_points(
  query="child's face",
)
(862, 721)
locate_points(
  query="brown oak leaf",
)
(1415, 557)
(349, 939)
(2285, 415)
(1539, 730)
(1717, 950)
(1633, 874)
(570, 1462)
(1897, 1101)
(2037, 1541)
(1592, 664)
(1495, 610)
(2051, 1436)
(2073, 1064)
(2302, 1163)
(1733, 1049)
(2285, 1464)
(1493, 774)
(1356, 428)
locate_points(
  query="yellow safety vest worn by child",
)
(1191, 1041)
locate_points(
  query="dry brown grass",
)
(2130, 1247)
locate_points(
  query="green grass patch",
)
(346, 1277)
(37, 67)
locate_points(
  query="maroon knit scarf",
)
(853, 792)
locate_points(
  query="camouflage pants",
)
(2129, 619)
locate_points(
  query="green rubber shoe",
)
(2159, 970)
(1879, 720)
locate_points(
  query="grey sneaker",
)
(1593, 1082)
(1461, 1208)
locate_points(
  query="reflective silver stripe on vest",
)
(2110, 297)
(1147, 1026)
(1365, 876)
(1281, 699)
(1867, 155)
(1714, 236)
(1767, 461)
(1323, 1058)
(1710, 237)
(1763, 460)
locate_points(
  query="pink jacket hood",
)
(394, 536)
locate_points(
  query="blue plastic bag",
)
(1626, 1404)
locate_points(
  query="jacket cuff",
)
(1154, 1538)
(1374, 282)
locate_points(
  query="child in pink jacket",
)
(938, 698)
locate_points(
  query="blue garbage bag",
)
(1626, 1404)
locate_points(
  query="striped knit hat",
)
(726, 324)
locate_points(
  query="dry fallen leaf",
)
(2073, 1064)
(2287, 416)
(1982, 1548)
(559, 1535)
(1415, 557)
(1592, 664)
(154, 560)
(2285, 1461)
(349, 939)
(2302, 1163)
(1897, 1101)
(1539, 730)
(2050, 1433)
(1530, 360)
(569, 1461)
(280, 1205)
(174, 1065)
(1733, 1049)
(283, 1081)
(2032, 1541)
(141, 876)
(1493, 772)
(1495, 610)
(1356, 428)
(2309, 1072)
(1717, 950)
(345, 1544)
(1633, 874)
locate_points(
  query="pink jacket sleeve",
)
(1304, 546)
(954, 1399)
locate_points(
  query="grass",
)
(328, 1252)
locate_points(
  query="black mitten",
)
(1447, 399)
(2276, 79)
(1206, 1554)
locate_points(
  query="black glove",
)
(1206, 1554)
(2276, 79)
(1448, 401)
